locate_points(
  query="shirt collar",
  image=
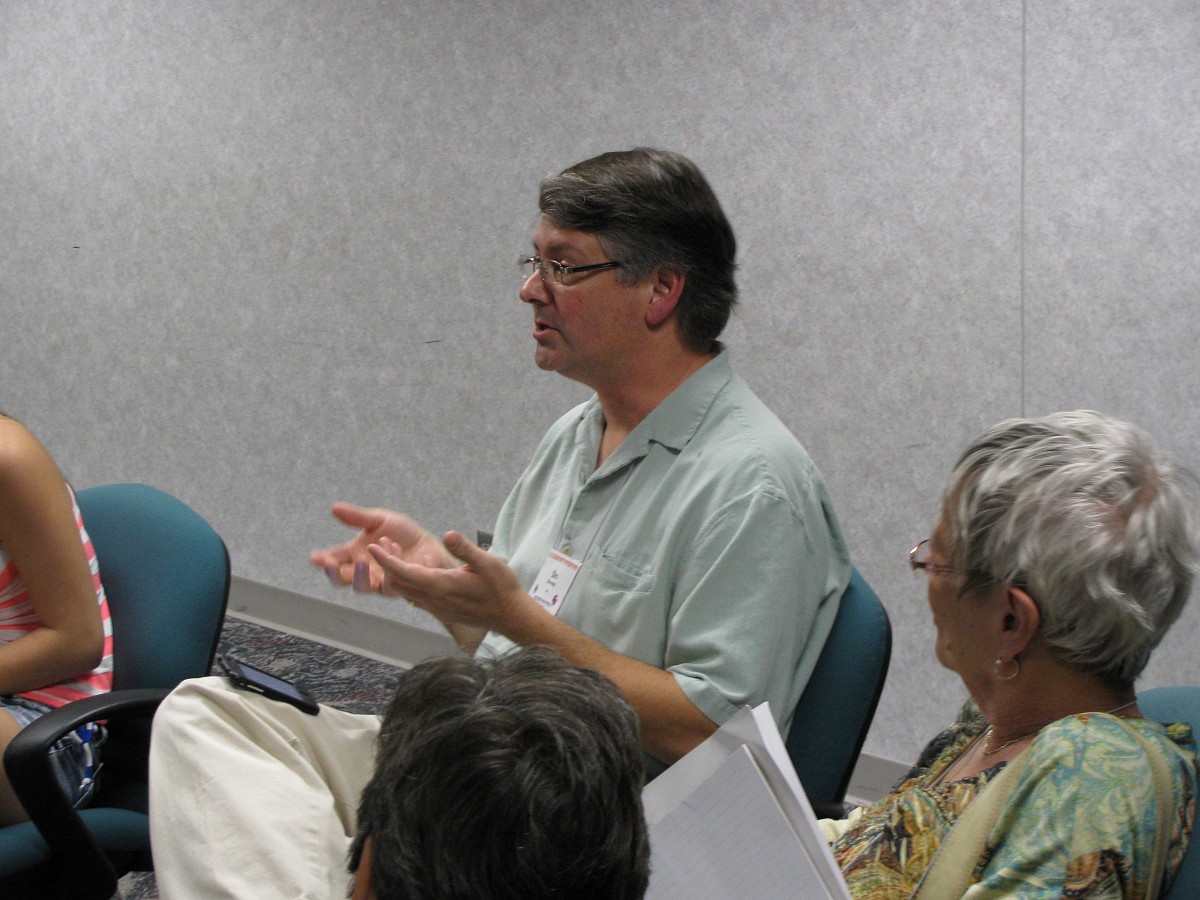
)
(674, 421)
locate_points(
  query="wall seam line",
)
(1021, 201)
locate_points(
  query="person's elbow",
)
(93, 652)
(83, 645)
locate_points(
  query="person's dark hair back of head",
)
(652, 209)
(516, 778)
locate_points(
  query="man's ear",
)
(362, 877)
(667, 287)
(1022, 618)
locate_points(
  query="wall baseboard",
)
(400, 644)
(358, 631)
(873, 777)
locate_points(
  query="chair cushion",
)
(21, 847)
(115, 830)
(118, 830)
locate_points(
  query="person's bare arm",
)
(41, 535)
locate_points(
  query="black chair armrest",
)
(27, 763)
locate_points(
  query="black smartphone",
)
(253, 679)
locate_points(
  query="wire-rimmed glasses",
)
(919, 560)
(554, 271)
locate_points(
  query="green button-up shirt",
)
(708, 543)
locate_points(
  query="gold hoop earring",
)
(998, 664)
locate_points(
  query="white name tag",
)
(554, 580)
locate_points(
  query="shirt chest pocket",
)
(619, 574)
(625, 606)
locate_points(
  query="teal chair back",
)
(166, 574)
(1178, 704)
(835, 711)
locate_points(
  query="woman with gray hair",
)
(1065, 548)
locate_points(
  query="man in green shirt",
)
(704, 555)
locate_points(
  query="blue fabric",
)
(75, 758)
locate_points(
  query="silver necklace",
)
(989, 750)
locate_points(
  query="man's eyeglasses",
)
(550, 270)
(919, 560)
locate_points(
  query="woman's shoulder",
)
(22, 456)
(15, 440)
(1085, 803)
(1087, 759)
(1107, 729)
(1099, 745)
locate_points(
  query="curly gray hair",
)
(1085, 513)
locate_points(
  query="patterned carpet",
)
(336, 677)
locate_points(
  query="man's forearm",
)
(671, 724)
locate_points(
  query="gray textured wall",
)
(261, 253)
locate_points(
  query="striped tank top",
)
(18, 618)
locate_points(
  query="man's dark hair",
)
(652, 209)
(513, 778)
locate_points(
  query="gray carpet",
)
(336, 677)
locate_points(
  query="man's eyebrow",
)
(556, 249)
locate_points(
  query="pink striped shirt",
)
(18, 618)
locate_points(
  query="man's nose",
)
(534, 289)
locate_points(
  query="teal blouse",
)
(1079, 823)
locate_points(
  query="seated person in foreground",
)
(55, 637)
(514, 779)
(1065, 548)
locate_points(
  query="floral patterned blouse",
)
(1079, 823)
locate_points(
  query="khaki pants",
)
(250, 797)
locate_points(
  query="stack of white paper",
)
(731, 820)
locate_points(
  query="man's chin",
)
(546, 360)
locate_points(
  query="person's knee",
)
(193, 698)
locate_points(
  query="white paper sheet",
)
(731, 820)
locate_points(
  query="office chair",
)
(834, 714)
(166, 574)
(1178, 704)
